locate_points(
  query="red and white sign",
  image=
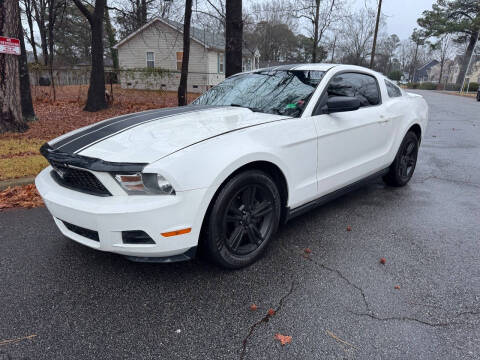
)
(9, 46)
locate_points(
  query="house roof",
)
(428, 65)
(206, 38)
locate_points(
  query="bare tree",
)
(182, 88)
(41, 17)
(321, 14)
(418, 38)
(233, 37)
(28, 8)
(10, 108)
(96, 91)
(356, 36)
(442, 48)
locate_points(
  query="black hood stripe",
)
(104, 129)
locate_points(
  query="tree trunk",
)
(144, 12)
(42, 28)
(466, 58)
(28, 112)
(315, 31)
(31, 39)
(96, 91)
(414, 64)
(182, 88)
(10, 108)
(52, 15)
(111, 39)
(442, 63)
(233, 37)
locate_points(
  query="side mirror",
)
(341, 103)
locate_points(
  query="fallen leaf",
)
(253, 307)
(383, 261)
(271, 312)
(284, 339)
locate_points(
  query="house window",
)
(221, 62)
(150, 60)
(179, 60)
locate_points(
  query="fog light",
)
(136, 237)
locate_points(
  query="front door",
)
(351, 145)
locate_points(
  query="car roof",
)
(317, 67)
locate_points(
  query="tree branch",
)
(83, 9)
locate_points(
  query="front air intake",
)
(136, 237)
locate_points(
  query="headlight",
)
(143, 184)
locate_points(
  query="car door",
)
(351, 144)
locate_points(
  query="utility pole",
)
(376, 33)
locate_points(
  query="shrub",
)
(428, 86)
(472, 88)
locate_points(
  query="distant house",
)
(151, 57)
(451, 70)
(421, 74)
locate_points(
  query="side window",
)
(362, 86)
(150, 60)
(393, 90)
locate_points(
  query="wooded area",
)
(71, 33)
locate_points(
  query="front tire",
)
(402, 168)
(244, 217)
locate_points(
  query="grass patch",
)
(18, 147)
(16, 167)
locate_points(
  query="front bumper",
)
(109, 216)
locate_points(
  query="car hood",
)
(149, 136)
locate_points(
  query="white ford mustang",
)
(225, 171)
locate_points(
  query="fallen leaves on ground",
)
(337, 338)
(284, 339)
(14, 341)
(22, 196)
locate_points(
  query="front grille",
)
(78, 179)
(89, 234)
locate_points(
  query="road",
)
(339, 302)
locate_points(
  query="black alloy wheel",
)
(403, 167)
(243, 218)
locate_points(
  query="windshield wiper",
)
(247, 107)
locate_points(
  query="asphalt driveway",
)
(61, 300)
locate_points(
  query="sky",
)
(402, 15)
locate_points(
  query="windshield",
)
(275, 92)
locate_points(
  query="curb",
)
(16, 182)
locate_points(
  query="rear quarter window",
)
(393, 90)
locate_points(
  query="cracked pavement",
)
(338, 302)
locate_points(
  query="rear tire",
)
(244, 217)
(402, 168)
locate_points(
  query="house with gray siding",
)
(151, 57)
